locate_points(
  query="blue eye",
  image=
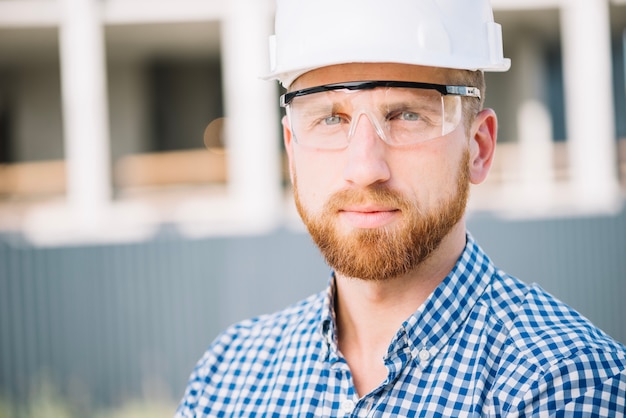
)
(409, 116)
(332, 120)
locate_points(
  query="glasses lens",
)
(400, 116)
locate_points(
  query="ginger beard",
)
(388, 252)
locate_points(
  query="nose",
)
(366, 154)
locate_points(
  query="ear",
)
(288, 141)
(482, 143)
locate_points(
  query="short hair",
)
(471, 105)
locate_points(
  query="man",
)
(385, 130)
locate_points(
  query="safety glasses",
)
(401, 112)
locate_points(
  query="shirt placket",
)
(341, 398)
(399, 357)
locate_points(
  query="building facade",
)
(107, 109)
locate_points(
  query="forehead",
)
(365, 71)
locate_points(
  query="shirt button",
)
(424, 355)
(347, 406)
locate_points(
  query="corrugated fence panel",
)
(580, 260)
(107, 324)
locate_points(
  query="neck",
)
(369, 313)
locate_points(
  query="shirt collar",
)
(329, 320)
(440, 316)
(428, 330)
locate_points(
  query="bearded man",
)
(385, 131)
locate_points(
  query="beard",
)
(391, 251)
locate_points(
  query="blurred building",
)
(122, 119)
(104, 105)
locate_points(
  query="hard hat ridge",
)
(311, 34)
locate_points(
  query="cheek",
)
(315, 175)
(430, 173)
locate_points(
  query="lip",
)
(368, 217)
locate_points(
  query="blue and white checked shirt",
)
(483, 344)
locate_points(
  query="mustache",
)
(381, 195)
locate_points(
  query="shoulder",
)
(542, 327)
(566, 361)
(247, 350)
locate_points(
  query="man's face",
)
(374, 210)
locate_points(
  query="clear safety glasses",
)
(402, 113)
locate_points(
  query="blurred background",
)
(144, 204)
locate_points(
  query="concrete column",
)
(252, 134)
(585, 32)
(85, 111)
(534, 123)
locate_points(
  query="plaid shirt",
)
(483, 344)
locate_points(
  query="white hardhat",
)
(438, 33)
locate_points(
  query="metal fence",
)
(109, 324)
